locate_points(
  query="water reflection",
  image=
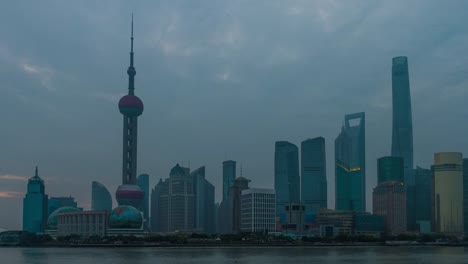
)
(258, 255)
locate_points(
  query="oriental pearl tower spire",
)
(130, 107)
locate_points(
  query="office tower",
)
(389, 201)
(130, 106)
(287, 184)
(174, 202)
(229, 221)
(465, 196)
(143, 183)
(216, 217)
(101, 199)
(55, 203)
(35, 206)
(229, 175)
(422, 198)
(313, 175)
(204, 205)
(258, 210)
(448, 193)
(156, 193)
(402, 135)
(390, 169)
(350, 164)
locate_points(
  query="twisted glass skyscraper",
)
(402, 135)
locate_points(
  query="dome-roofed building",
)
(125, 217)
(52, 220)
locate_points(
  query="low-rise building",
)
(85, 223)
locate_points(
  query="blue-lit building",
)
(287, 180)
(143, 183)
(350, 165)
(313, 175)
(101, 199)
(35, 206)
(204, 205)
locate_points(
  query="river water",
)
(261, 255)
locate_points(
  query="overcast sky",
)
(219, 80)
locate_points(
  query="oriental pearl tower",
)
(130, 107)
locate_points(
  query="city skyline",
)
(56, 84)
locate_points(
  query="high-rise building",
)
(258, 210)
(55, 203)
(350, 164)
(130, 106)
(390, 169)
(448, 193)
(313, 175)
(422, 198)
(143, 183)
(101, 199)
(229, 175)
(35, 206)
(229, 221)
(287, 184)
(465, 196)
(402, 135)
(173, 202)
(204, 205)
(389, 201)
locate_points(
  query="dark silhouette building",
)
(390, 169)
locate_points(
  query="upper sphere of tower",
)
(130, 105)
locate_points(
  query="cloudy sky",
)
(220, 80)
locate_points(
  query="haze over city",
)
(220, 80)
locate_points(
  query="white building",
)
(258, 210)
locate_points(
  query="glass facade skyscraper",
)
(204, 205)
(390, 169)
(287, 184)
(402, 133)
(350, 164)
(101, 199)
(35, 206)
(313, 175)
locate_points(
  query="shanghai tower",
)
(130, 107)
(402, 135)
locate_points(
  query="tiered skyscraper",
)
(287, 180)
(402, 135)
(313, 175)
(35, 206)
(350, 165)
(130, 107)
